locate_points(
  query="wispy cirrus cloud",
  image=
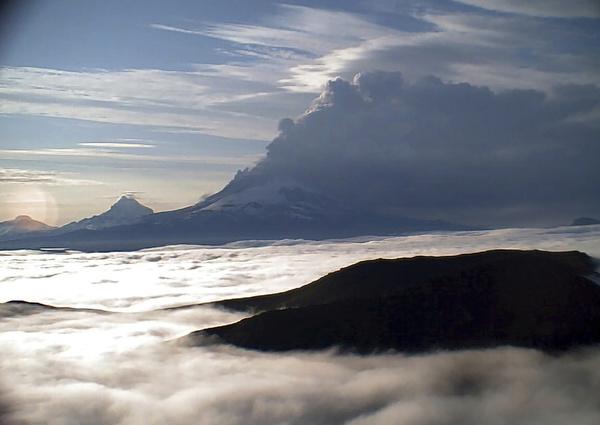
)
(150, 97)
(85, 152)
(38, 177)
(322, 44)
(542, 8)
(269, 65)
(117, 145)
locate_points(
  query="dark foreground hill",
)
(523, 298)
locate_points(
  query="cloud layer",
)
(433, 149)
(23, 176)
(223, 386)
(60, 366)
(176, 275)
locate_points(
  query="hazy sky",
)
(169, 99)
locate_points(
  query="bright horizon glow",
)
(32, 201)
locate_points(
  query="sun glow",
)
(32, 201)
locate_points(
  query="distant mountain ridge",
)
(21, 225)
(125, 211)
(15, 308)
(531, 299)
(252, 208)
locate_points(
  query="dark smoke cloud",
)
(442, 150)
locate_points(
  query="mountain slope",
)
(22, 225)
(523, 298)
(246, 209)
(127, 210)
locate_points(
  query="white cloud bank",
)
(168, 276)
(61, 367)
(224, 386)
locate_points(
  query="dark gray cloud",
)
(445, 150)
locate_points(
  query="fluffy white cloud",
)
(62, 366)
(176, 275)
(223, 386)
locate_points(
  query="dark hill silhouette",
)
(25, 308)
(523, 298)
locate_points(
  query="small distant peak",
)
(125, 198)
(23, 217)
(24, 223)
(128, 204)
(128, 197)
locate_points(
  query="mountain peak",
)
(273, 194)
(126, 210)
(23, 218)
(127, 200)
(129, 206)
(20, 225)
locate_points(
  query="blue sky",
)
(169, 99)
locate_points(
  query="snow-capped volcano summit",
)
(127, 207)
(281, 196)
(127, 210)
(248, 208)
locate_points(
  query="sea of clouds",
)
(123, 367)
